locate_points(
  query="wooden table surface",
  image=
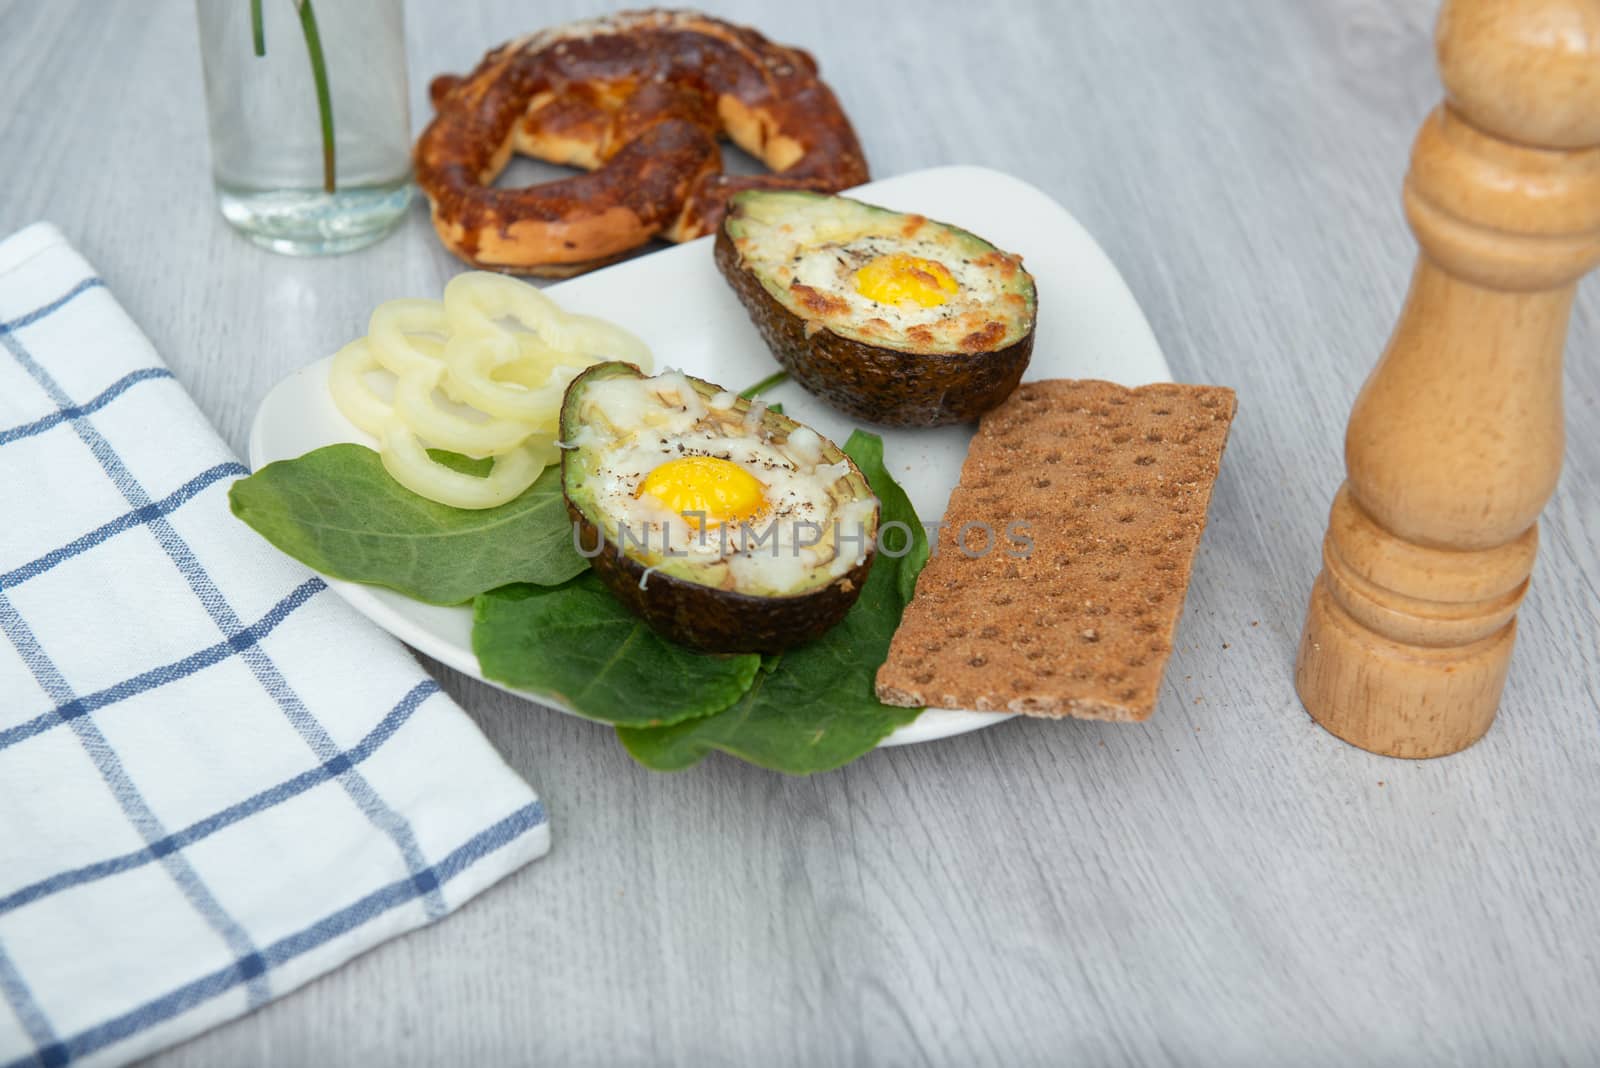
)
(1226, 883)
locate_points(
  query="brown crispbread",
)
(1112, 484)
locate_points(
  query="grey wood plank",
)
(1224, 884)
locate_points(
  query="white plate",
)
(1089, 327)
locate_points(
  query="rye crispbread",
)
(1113, 485)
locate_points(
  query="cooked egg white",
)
(677, 474)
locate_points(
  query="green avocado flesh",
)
(948, 342)
(774, 573)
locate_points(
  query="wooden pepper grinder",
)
(1455, 441)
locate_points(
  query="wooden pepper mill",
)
(1455, 441)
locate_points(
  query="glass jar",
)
(275, 181)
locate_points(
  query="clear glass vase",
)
(268, 159)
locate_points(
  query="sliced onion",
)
(393, 332)
(477, 300)
(473, 361)
(444, 429)
(599, 340)
(408, 463)
(502, 386)
(352, 393)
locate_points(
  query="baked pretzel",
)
(637, 99)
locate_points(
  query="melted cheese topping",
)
(703, 491)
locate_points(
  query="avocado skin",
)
(880, 385)
(719, 621)
(705, 618)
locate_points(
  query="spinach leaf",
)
(466, 465)
(337, 511)
(579, 644)
(815, 709)
(894, 508)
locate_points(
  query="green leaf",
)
(815, 709)
(579, 645)
(777, 378)
(339, 512)
(466, 465)
(895, 507)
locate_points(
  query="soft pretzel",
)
(638, 100)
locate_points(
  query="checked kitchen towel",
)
(217, 782)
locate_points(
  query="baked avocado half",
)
(892, 318)
(724, 525)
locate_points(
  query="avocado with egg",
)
(892, 318)
(724, 525)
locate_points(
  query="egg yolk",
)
(897, 277)
(720, 489)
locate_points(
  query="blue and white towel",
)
(216, 781)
